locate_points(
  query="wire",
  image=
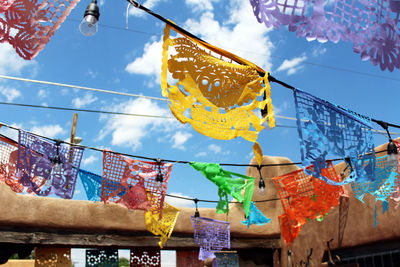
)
(216, 201)
(255, 53)
(168, 160)
(383, 124)
(227, 54)
(81, 87)
(86, 110)
(150, 116)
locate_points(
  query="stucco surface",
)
(44, 212)
(19, 263)
(359, 228)
(39, 212)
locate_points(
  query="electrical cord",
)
(168, 160)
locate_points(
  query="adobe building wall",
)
(359, 228)
(45, 212)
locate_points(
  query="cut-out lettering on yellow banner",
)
(218, 98)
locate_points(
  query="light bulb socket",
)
(159, 177)
(392, 148)
(57, 159)
(93, 10)
(196, 214)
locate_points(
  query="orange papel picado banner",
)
(217, 97)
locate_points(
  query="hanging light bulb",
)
(393, 154)
(261, 183)
(261, 187)
(159, 177)
(89, 25)
(196, 213)
(57, 163)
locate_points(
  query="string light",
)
(391, 147)
(159, 177)
(168, 160)
(392, 153)
(57, 164)
(261, 184)
(196, 213)
(89, 24)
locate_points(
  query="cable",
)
(383, 124)
(227, 54)
(254, 53)
(168, 160)
(216, 201)
(150, 116)
(80, 87)
(86, 110)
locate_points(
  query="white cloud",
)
(214, 148)
(278, 109)
(9, 93)
(179, 139)
(11, 133)
(177, 202)
(89, 160)
(43, 93)
(11, 62)
(92, 74)
(64, 91)
(129, 130)
(51, 131)
(150, 4)
(233, 34)
(87, 99)
(200, 5)
(318, 51)
(200, 154)
(149, 63)
(292, 65)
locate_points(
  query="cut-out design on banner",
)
(255, 217)
(304, 197)
(92, 185)
(8, 164)
(102, 258)
(28, 25)
(396, 195)
(325, 128)
(149, 257)
(185, 258)
(227, 259)
(372, 26)
(382, 187)
(384, 184)
(218, 98)
(133, 182)
(52, 257)
(164, 225)
(39, 170)
(5, 4)
(228, 185)
(211, 235)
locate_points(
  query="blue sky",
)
(130, 61)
